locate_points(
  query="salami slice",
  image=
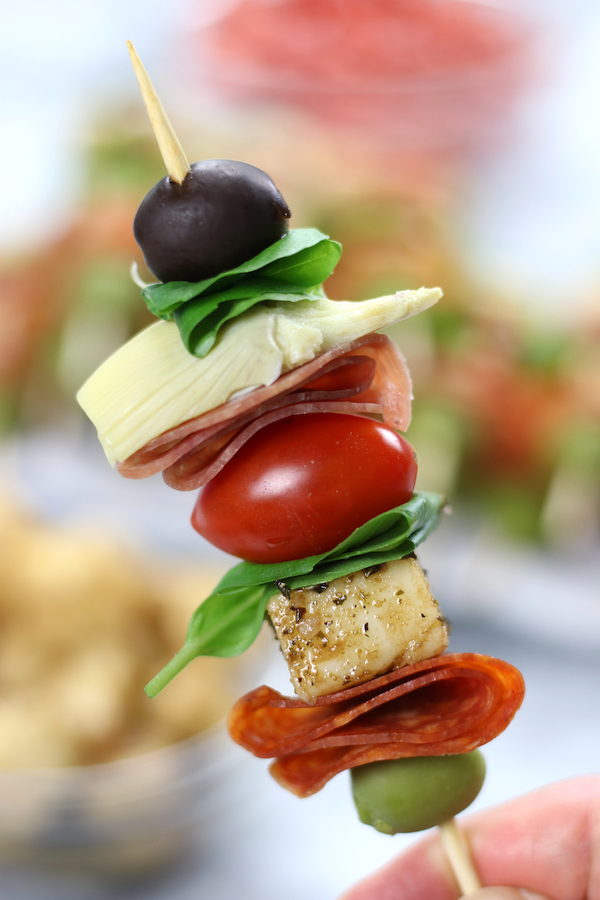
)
(196, 469)
(377, 374)
(449, 704)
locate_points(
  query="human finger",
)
(547, 841)
(503, 893)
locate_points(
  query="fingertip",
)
(421, 871)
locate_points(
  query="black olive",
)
(223, 214)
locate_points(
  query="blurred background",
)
(443, 142)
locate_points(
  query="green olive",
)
(401, 795)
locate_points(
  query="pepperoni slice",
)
(450, 704)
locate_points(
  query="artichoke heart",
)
(342, 321)
(152, 383)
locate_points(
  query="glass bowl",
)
(135, 816)
(438, 75)
(124, 818)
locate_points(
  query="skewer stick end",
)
(171, 150)
(459, 857)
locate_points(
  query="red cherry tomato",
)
(301, 485)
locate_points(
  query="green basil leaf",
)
(331, 569)
(162, 305)
(200, 319)
(308, 267)
(337, 568)
(409, 517)
(229, 620)
(164, 299)
(226, 624)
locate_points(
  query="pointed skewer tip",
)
(171, 150)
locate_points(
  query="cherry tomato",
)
(301, 485)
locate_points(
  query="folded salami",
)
(450, 704)
(370, 370)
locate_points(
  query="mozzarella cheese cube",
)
(357, 627)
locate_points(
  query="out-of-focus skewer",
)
(459, 856)
(171, 150)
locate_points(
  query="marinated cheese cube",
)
(357, 627)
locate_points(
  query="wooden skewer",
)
(459, 857)
(453, 840)
(171, 150)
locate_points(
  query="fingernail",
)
(504, 893)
